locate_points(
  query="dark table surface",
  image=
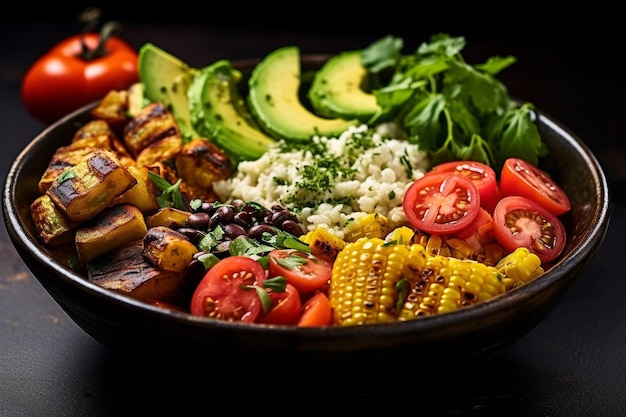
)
(571, 364)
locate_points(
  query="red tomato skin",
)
(482, 175)
(307, 278)
(220, 284)
(60, 81)
(316, 311)
(527, 232)
(519, 177)
(286, 307)
(436, 193)
(479, 232)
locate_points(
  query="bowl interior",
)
(124, 323)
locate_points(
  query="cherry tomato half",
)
(286, 307)
(441, 203)
(316, 311)
(303, 270)
(482, 175)
(522, 178)
(521, 222)
(226, 291)
(480, 231)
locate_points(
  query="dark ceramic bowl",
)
(474, 333)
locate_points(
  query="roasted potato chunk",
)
(89, 187)
(168, 249)
(125, 270)
(111, 228)
(53, 226)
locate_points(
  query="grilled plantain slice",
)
(113, 108)
(169, 217)
(63, 158)
(52, 225)
(125, 270)
(201, 163)
(89, 187)
(165, 149)
(168, 249)
(111, 228)
(151, 125)
(143, 194)
(98, 133)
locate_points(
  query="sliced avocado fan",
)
(274, 101)
(218, 113)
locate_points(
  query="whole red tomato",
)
(76, 72)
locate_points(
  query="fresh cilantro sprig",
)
(451, 109)
(170, 193)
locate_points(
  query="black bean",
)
(291, 226)
(193, 274)
(243, 219)
(226, 213)
(279, 217)
(232, 230)
(199, 220)
(214, 220)
(256, 231)
(237, 204)
(194, 235)
(206, 207)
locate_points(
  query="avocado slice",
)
(218, 113)
(337, 89)
(274, 101)
(166, 79)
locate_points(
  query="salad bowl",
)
(161, 336)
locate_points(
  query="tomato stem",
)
(91, 17)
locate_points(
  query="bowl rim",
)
(577, 258)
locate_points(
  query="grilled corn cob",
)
(439, 284)
(364, 279)
(519, 267)
(374, 281)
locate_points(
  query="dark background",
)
(569, 65)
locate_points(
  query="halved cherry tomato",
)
(441, 203)
(479, 232)
(316, 311)
(482, 175)
(521, 222)
(522, 178)
(303, 270)
(226, 291)
(286, 307)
